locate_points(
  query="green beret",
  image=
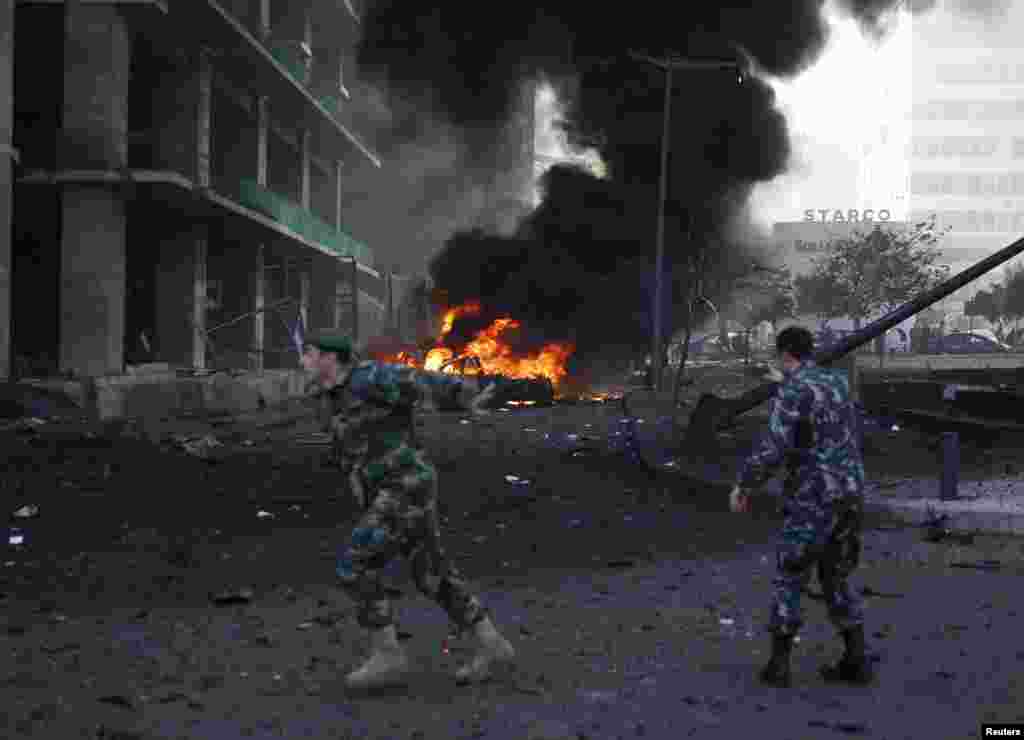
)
(327, 342)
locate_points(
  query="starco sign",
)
(852, 216)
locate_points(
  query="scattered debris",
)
(936, 527)
(516, 480)
(261, 514)
(979, 565)
(849, 727)
(28, 424)
(117, 700)
(316, 439)
(197, 446)
(228, 598)
(621, 563)
(26, 512)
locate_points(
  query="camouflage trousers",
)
(401, 519)
(822, 535)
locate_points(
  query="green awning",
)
(302, 222)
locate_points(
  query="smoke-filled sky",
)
(458, 68)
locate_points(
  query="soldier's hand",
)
(774, 375)
(739, 501)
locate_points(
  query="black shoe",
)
(856, 672)
(854, 667)
(777, 672)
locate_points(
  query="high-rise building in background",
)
(966, 151)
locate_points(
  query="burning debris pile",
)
(490, 351)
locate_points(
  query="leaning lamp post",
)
(670, 64)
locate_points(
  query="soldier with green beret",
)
(371, 409)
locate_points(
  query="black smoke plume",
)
(579, 268)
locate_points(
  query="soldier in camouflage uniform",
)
(370, 408)
(814, 429)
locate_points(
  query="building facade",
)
(177, 175)
(966, 151)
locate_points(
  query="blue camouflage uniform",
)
(373, 432)
(814, 430)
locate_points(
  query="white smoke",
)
(551, 145)
(425, 191)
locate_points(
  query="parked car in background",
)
(966, 343)
(896, 340)
(712, 345)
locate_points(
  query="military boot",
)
(777, 672)
(493, 649)
(387, 664)
(854, 667)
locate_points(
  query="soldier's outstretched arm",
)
(443, 388)
(770, 452)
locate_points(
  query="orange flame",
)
(448, 321)
(494, 355)
(404, 358)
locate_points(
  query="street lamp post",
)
(669, 65)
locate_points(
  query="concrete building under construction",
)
(173, 183)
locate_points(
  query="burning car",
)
(524, 378)
(510, 391)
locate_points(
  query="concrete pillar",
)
(203, 123)
(265, 18)
(342, 297)
(200, 254)
(92, 297)
(307, 39)
(337, 195)
(201, 240)
(7, 155)
(305, 143)
(258, 289)
(304, 280)
(97, 62)
(389, 277)
(262, 140)
(355, 299)
(258, 276)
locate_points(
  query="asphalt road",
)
(635, 601)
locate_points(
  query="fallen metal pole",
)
(713, 412)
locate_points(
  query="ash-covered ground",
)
(635, 600)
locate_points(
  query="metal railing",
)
(252, 351)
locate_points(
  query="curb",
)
(919, 511)
(963, 515)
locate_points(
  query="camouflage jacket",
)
(371, 413)
(815, 431)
